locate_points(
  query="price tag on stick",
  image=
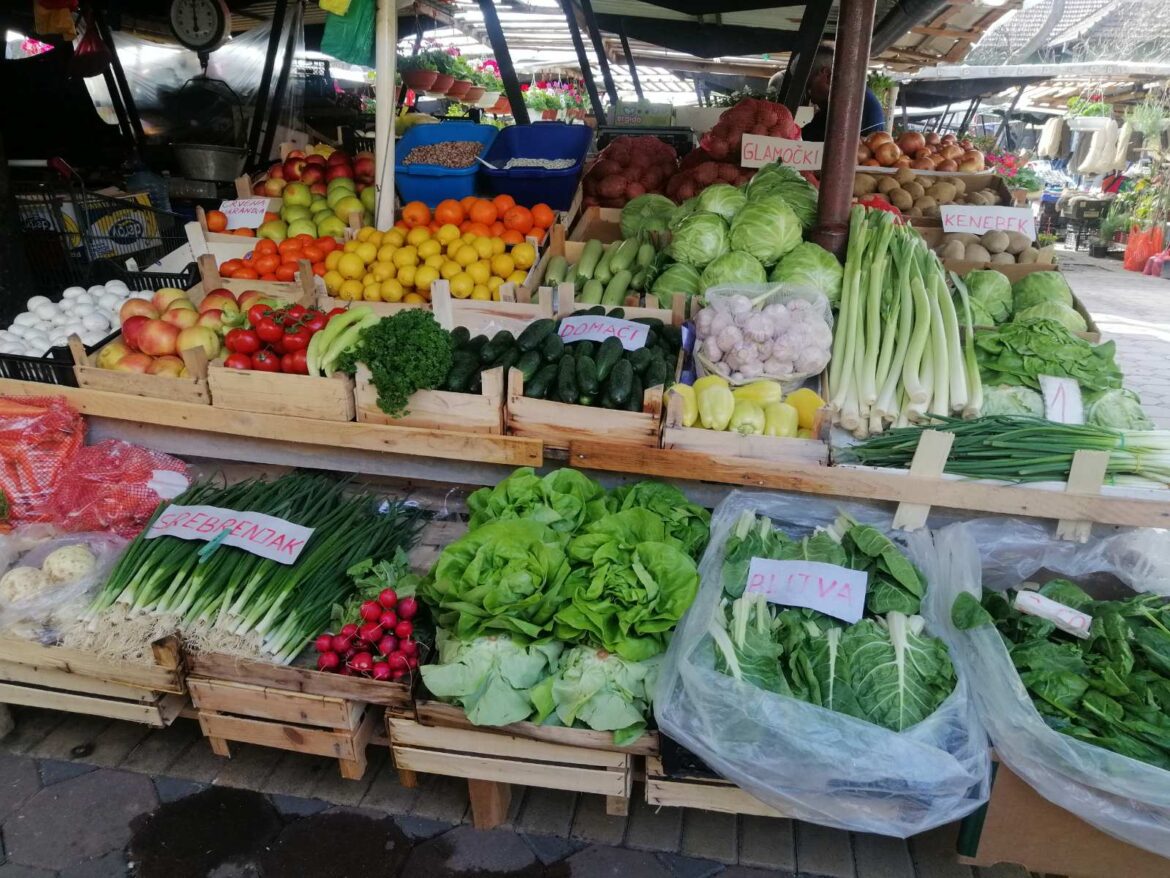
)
(1064, 617)
(1062, 400)
(245, 213)
(835, 591)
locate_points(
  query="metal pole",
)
(99, 18)
(385, 61)
(905, 96)
(1003, 126)
(630, 58)
(808, 38)
(843, 127)
(970, 116)
(491, 23)
(890, 104)
(599, 48)
(582, 57)
(286, 61)
(124, 126)
(265, 83)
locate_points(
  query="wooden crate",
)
(481, 412)
(289, 708)
(300, 396)
(672, 312)
(74, 681)
(92, 377)
(438, 738)
(302, 291)
(601, 223)
(517, 305)
(704, 793)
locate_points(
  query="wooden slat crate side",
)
(481, 412)
(300, 396)
(282, 705)
(724, 443)
(346, 745)
(713, 795)
(51, 678)
(157, 714)
(165, 675)
(514, 771)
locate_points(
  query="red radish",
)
(408, 648)
(388, 644)
(388, 620)
(412, 661)
(362, 663)
(388, 598)
(350, 630)
(407, 608)
(397, 675)
(324, 643)
(342, 642)
(398, 661)
(345, 671)
(328, 661)
(371, 611)
(381, 671)
(371, 632)
(403, 630)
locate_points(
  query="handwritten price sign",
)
(263, 535)
(757, 150)
(1062, 400)
(245, 213)
(836, 591)
(978, 219)
(1064, 617)
(632, 335)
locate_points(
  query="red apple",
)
(220, 300)
(133, 363)
(295, 154)
(199, 336)
(273, 187)
(212, 318)
(132, 329)
(181, 317)
(260, 190)
(336, 171)
(293, 168)
(337, 157)
(165, 298)
(363, 168)
(248, 298)
(169, 366)
(109, 356)
(319, 189)
(315, 159)
(137, 308)
(312, 174)
(157, 338)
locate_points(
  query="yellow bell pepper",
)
(780, 419)
(337, 7)
(747, 419)
(807, 403)
(716, 403)
(762, 393)
(690, 403)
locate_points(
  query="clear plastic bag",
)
(1124, 797)
(808, 762)
(809, 345)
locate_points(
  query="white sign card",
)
(632, 335)
(245, 213)
(1063, 403)
(1064, 617)
(263, 535)
(757, 150)
(835, 591)
(980, 219)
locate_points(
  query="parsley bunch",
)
(404, 353)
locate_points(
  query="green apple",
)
(369, 197)
(343, 208)
(320, 215)
(319, 203)
(341, 183)
(275, 230)
(331, 225)
(297, 194)
(292, 212)
(302, 227)
(336, 195)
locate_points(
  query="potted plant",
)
(418, 71)
(487, 77)
(546, 102)
(576, 103)
(463, 74)
(445, 65)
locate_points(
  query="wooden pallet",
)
(707, 794)
(438, 738)
(56, 678)
(289, 708)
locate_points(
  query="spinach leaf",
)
(968, 613)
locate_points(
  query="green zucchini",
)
(535, 333)
(608, 355)
(624, 255)
(615, 290)
(557, 271)
(495, 348)
(539, 386)
(645, 257)
(604, 271)
(552, 348)
(591, 293)
(567, 380)
(590, 255)
(638, 281)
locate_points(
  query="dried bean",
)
(547, 164)
(449, 154)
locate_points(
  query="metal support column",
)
(583, 57)
(843, 127)
(99, 18)
(254, 158)
(969, 116)
(491, 23)
(599, 48)
(286, 62)
(630, 60)
(1004, 126)
(808, 38)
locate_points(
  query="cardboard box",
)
(111, 222)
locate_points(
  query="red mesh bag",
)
(115, 486)
(749, 116)
(1141, 246)
(39, 437)
(628, 167)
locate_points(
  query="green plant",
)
(542, 99)
(1027, 179)
(1045, 239)
(489, 79)
(880, 85)
(1078, 106)
(461, 68)
(421, 61)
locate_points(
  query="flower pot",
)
(458, 88)
(503, 105)
(488, 100)
(577, 113)
(442, 84)
(472, 95)
(419, 80)
(548, 115)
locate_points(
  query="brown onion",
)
(947, 165)
(902, 162)
(924, 153)
(948, 139)
(951, 151)
(973, 155)
(887, 153)
(922, 165)
(965, 143)
(911, 141)
(970, 166)
(863, 153)
(932, 138)
(871, 163)
(877, 139)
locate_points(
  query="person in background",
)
(873, 118)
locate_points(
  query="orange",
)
(503, 202)
(479, 229)
(290, 244)
(229, 268)
(313, 253)
(542, 215)
(498, 228)
(245, 233)
(518, 218)
(449, 211)
(216, 220)
(269, 276)
(264, 247)
(483, 211)
(468, 202)
(512, 237)
(266, 264)
(415, 213)
(538, 232)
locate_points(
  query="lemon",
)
(494, 283)
(405, 256)
(417, 235)
(364, 233)
(447, 233)
(425, 276)
(372, 293)
(395, 237)
(468, 237)
(375, 238)
(429, 248)
(483, 246)
(385, 253)
(466, 255)
(333, 278)
(351, 266)
(455, 246)
(351, 289)
(367, 252)
(502, 265)
(436, 261)
(481, 293)
(498, 246)
(368, 278)
(332, 259)
(414, 299)
(462, 285)
(391, 291)
(406, 276)
(517, 277)
(449, 269)
(480, 271)
(524, 255)
(349, 246)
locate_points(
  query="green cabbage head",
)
(646, 213)
(733, 268)
(1119, 409)
(723, 199)
(810, 265)
(1061, 313)
(1012, 399)
(677, 278)
(767, 229)
(991, 296)
(1038, 287)
(699, 239)
(797, 192)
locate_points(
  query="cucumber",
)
(460, 336)
(595, 311)
(587, 377)
(495, 348)
(529, 363)
(535, 333)
(591, 293)
(608, 355)
(672, 336)
(656, 373)
(475, 345)
(539, 386)
(507, 359)
(640, 359)
(615, 290)
(567, 380)
(624, 255)
(552, 348)
(652, 322)
(618, 313)
(459, 378)
(621, 381)
(645, 257)
(590, 256)
(476, 385)
(604, 271)
(557, 271)
(583, 349)
(634, 400)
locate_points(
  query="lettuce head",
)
(699, 239)
(1057, 311)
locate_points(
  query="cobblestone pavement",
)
(1134, 310)
(83, 797)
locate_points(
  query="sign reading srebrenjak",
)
(263, 535)
(757, 150)
(836, 591)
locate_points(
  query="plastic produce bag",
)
(806, 761)
(38, 437)
(1124, 797)
(350, 37)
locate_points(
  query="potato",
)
(904, 176)
(1018, 242)
(900, 198)
(926, 203)
(915, 189)
(913, 212)
(1027, 256)
(976, 253)
(942, 192)
(986, 198)
(863, 185)
(963, 237)
(1002, 259)
(954, 251)
(995, 241)
(1046, 255)
(930, 211)
(887, 184)
(959, 184)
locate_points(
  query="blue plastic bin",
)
(431, 184)
(542, 140)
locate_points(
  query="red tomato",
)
(269, 330)
(304, 239)
(313, 253)
(238, 360)
(229, 268)
(246, 273)
(265, 361)
(296, 339)
(296, 312)
(314, 320)
(286, 272)
(319, 269)
(242, 341)
(295, 362)
(266, 264)
(326, 243)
